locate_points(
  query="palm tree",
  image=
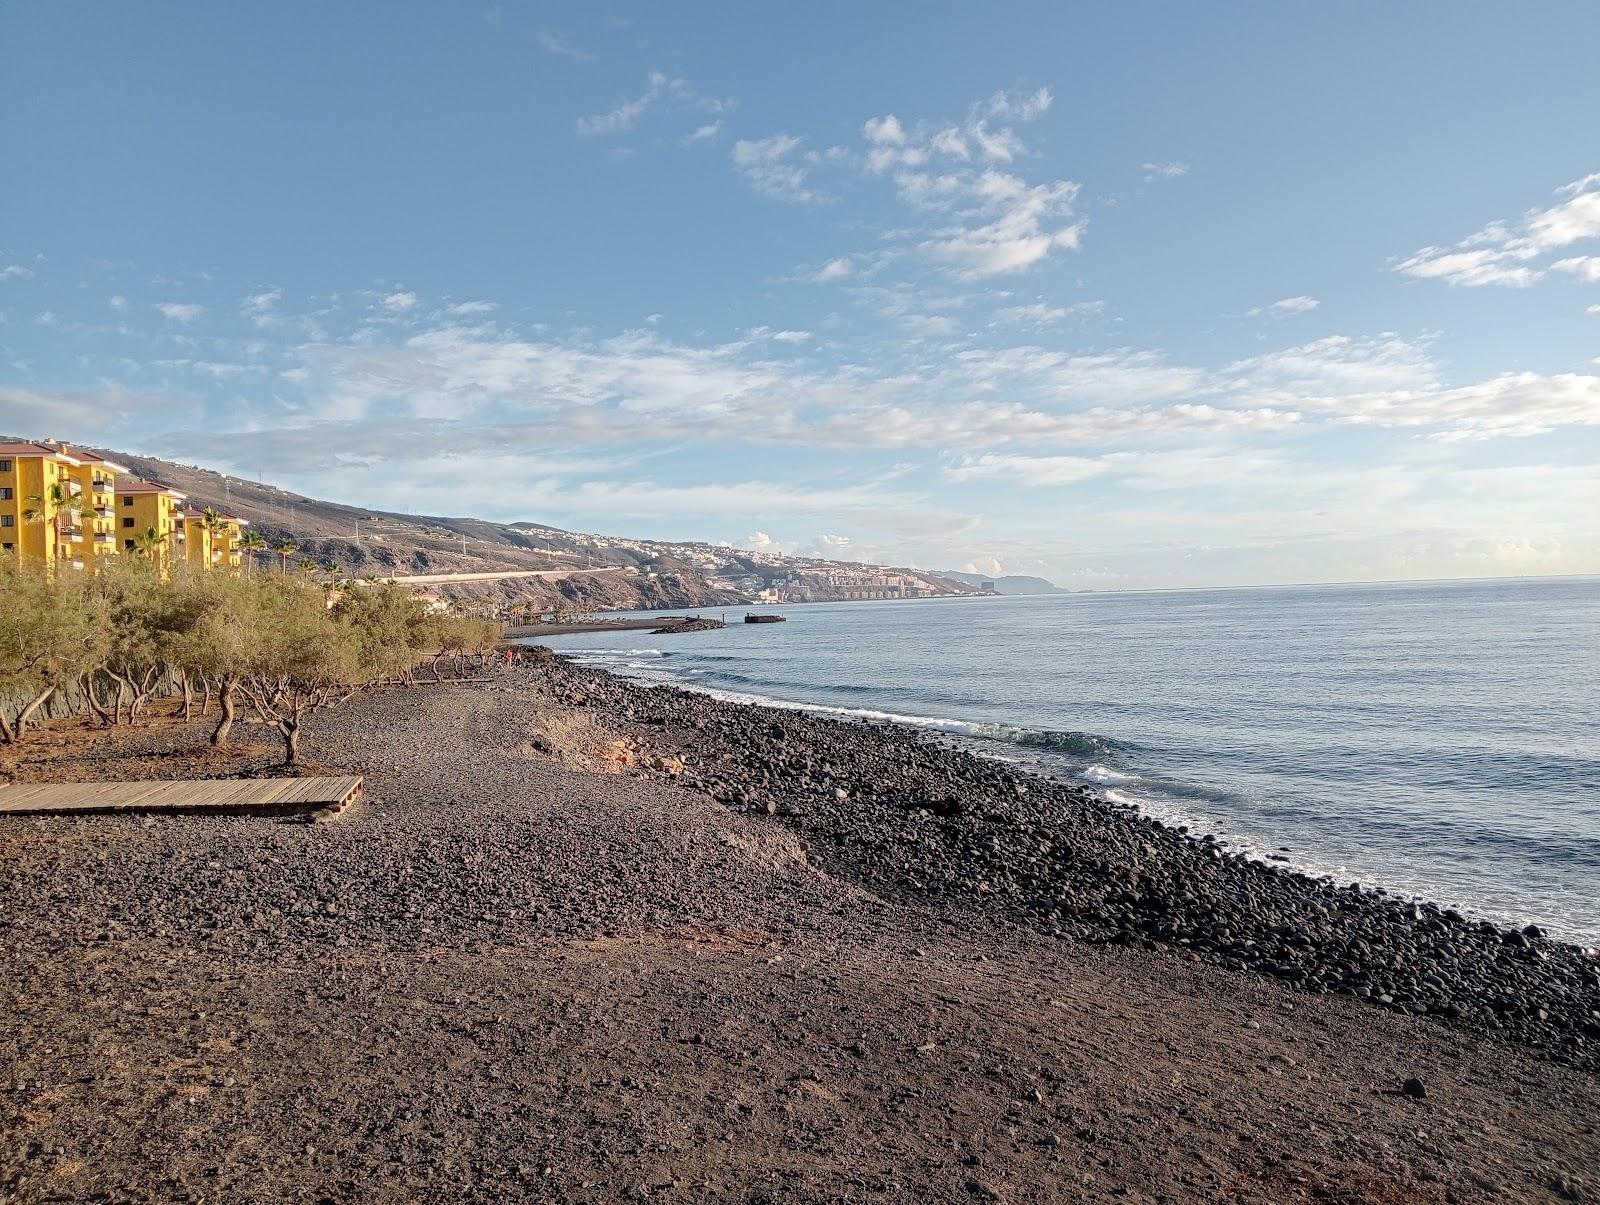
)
(329, 565)
(150, 543)
(253, 542)
(215, 524)
(307, 565)
(284, 547)
(48, 507)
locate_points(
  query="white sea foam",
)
(610, 653)
(1099, 773)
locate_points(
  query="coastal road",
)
(425, 579)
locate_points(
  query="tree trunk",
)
(205, 696)
(219, 735)
(97, 709)
(27, 712)
(8, 735)
(291, 740)
(188, 697)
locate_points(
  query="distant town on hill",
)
(514, 565)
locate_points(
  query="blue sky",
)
(1127, 295)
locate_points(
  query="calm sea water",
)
(1435, 739)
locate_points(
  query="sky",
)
(1125, 295)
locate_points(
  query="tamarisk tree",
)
(301, 659)
(49, 636)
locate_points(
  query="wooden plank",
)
(205, 795)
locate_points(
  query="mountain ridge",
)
(640, 574)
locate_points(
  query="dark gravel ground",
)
(776, 958)
(885, 806)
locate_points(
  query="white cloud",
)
(178, 311)
(1285, 307)
(661, 89)
(771, 166)
(1513, 404)
(704, 133)
(554, 44)
(1017, 106)
(216, 370)
(1164, 171)
(15, 272)
(834, 269)
(790, 336)
(1038, 313)
(261, 308)
(1026, 224)
(89, 413)
(465, 309)
(924, 326)
(1334, 365)
(399, 302)
(971, 216)
(885, 130)
(1505, 253)
(1182, 469)
(1470, 268)
(1584, 267)
(118, 303)
(1030, 470)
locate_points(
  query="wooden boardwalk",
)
(210, 795)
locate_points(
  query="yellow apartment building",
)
(97, 481)
(211, 539)
(57, 504)
(63, 506)
(150, 522)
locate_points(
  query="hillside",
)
(551, 565)
(1009, 584)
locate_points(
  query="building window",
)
(127, 499)
(5, 493)
(5, 466)
(127, 543)
(127, 520)
(8, 520)
(8, 547)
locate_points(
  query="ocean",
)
(1435, 739)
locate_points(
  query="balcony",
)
(104, 537)
(72, 531)
(103, 485)
(103, 512)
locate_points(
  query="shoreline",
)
(1193, 897)
(982, 738)
(588, 941)
(517, 636)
